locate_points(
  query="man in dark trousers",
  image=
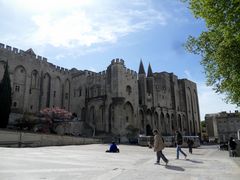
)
(232, 145)
(190, 145)
(179, 141)
(158, 147)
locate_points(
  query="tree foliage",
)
(219, 45)
(5, 98)
(203, 124)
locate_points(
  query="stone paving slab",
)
(90, 162)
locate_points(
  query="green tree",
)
(203, 124)
(5, 98)
(219, 45)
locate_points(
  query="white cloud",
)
(75, 53)
(210, 102)
(83, 22)
(93, 69)
(188, 74)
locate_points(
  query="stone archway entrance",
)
(149, 130)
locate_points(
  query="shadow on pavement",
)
(194, 161)
(197, 154)
(176, 168)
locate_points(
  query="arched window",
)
(141, 117)
(92, 115)
(83, 114)
(128, 108)
(79, 92)
(14, 104)
(129, 89)
(34, 79)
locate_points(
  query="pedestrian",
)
(232, 145)
(158, 147)
(179, 141)
(190, 145)
(113, 148)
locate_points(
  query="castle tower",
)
(150, 80)
(114, 77)
(142, 84)
(115, 96)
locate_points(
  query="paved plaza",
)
(90, 162)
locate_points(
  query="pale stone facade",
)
(223, 125)
(109, 101)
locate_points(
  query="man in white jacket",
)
(159, 146)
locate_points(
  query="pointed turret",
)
(142, 89)
(141, 68)
(150, 73)
(150, 79)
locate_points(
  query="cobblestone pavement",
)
(90, 162)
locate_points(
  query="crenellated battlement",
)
(10, 49)
(41, 59)
(89, 73)
(127, 71)
(21, 52)
(58, 68)
(62, 70)
(130, 72)
(100, 75)
(117, 61)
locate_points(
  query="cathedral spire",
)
(150, 73)
(141, 68)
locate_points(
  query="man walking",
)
(158, 147)
(190, 145)
(179, 141)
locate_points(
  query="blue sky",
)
(88, 34)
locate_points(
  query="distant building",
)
(222, 125)
(112, 101)
(204, 131)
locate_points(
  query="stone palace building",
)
(223, 125)
(110, 101)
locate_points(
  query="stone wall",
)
(24, 139)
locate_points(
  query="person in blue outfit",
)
(179, 141)
(113, 148)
